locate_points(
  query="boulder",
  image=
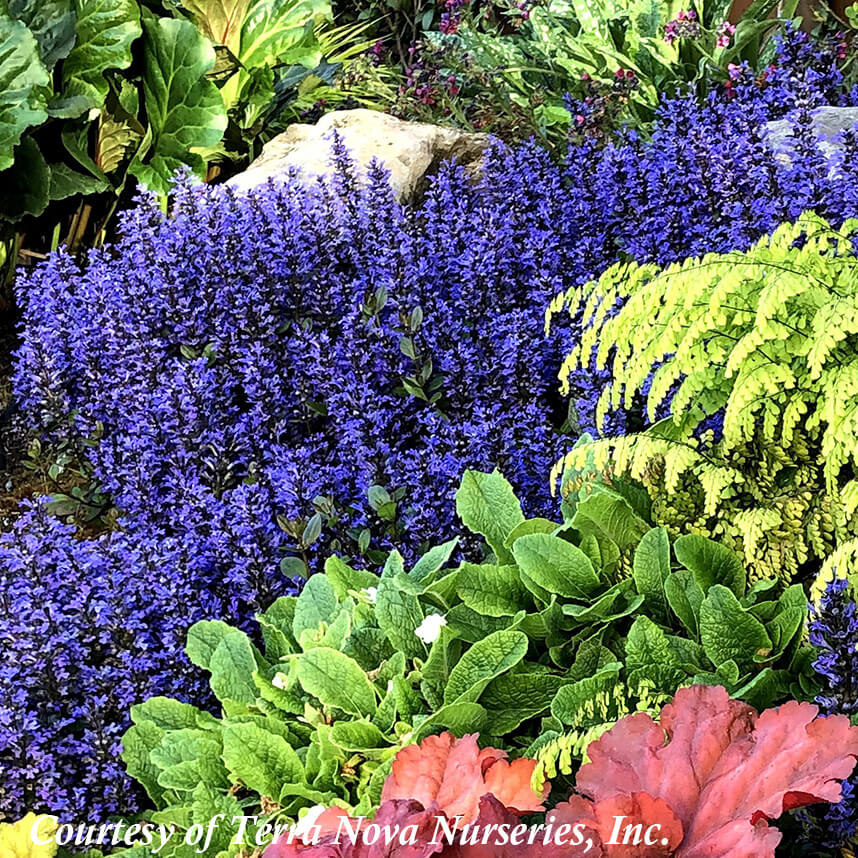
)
(828, 124)
(410, 150)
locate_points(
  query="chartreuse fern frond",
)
(597, 713)
(768, 338)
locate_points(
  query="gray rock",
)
(828, 123)
(410, 150)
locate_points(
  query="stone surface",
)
(410, 150)
(828, 123)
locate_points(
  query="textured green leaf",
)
(137, 745)
(496, 591)
(105, 31)
(263, 761)
(232, 666)
(51, 22)
(189, 757)
(611, 515)
(472, 626)
(484, 661)
(556, 565)
(184, 109)
(22, 78)
(711, 563)
(169, 714)
(651, 569)
(399, 614)
(204, 638)
(458, 718)
(487, 505)
(343, 578)
(357, 736)
(433, 560)
(531, 525)
(317, 604)
(336, 680)
(684, 596)
(728, 631)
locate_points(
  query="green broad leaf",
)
(768, 688)
(332, 635)
(168, 714)
(484, 661)
(286, 700)
(385, 715)
(337, 681)
(618, 602)
(317, 604)
(137, 745)
(651, 569)
(25, 188)
(472, 626)
(611, 515)
(275, 32)
(394, 566)
(684, 596)
(436, 671)
(263, 761)
(433, 560)
(647, 644)
(784, 629)
(204, 638)
(728, 631)
(184, 109)
(591, 657)
(459, 718)
(189, 757)
(711, 563)
(556, 565)
(66, 182)
(343, 578)
(368, 647)
(525, 694)
(496, 591)
(487, 505)
(51, 22)
(409, 703)
(232, 666)
(358, 736)
(398, 615)
(104, 33)
(531, 525)
(23, 83)
(209, 803)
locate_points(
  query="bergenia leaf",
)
(455, 774)
(721, 769)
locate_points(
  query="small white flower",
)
(430, 628)
(371, 593)
(94, 114)
(279, 680)
(308, 821)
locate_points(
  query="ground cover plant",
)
(246, 386)
(522, 648)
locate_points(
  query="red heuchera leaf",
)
(454, 774)
(719, 769)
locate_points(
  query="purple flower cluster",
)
(833, 630)
(260, 380)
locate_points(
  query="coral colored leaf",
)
(722, 770)
(455, 774)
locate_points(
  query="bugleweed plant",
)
(263, 381)
(520, 647)
(767, 339)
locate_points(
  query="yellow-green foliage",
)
(564, 753)
(16, 840)
(768, 337)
